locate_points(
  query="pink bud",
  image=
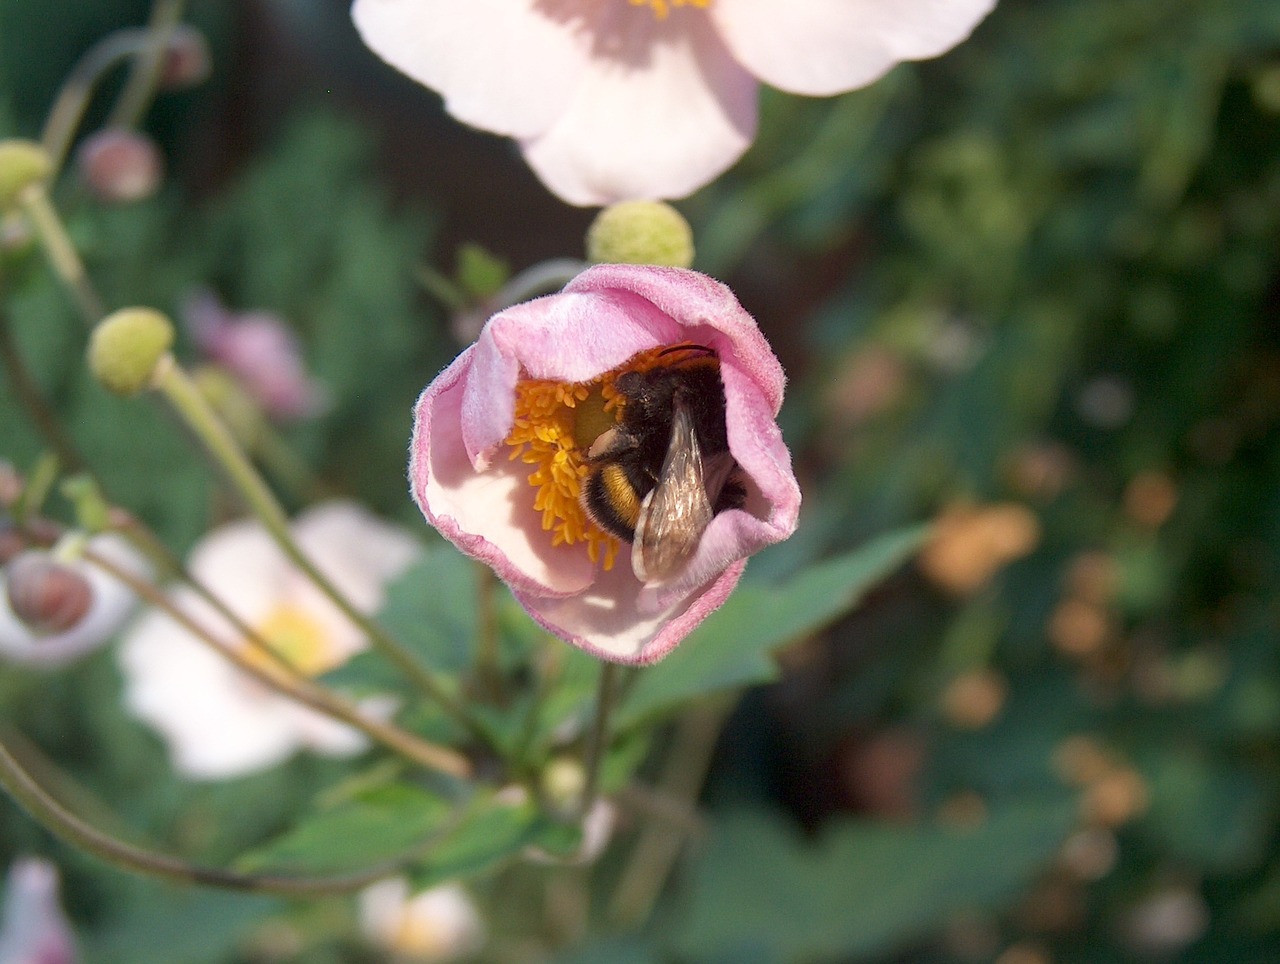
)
(120, 166)
(47, 596)
(187, 61)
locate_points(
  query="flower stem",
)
(62, 254)
(32, 399)
(144, 76)
(33, 798)
(488, 671)
(598, 742)
(191, 406)
(77, 90)
(284, 679)
(659, 844)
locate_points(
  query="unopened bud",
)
(22, 163)
(564, 781)
(640, 232)
(126, 346)
(120, 165)
(186, 60)
(47, 596)
(240, 413)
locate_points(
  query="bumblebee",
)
(660, 476)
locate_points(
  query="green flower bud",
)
(640, 232)
(21, 163)
(240, 413)
(126, 346)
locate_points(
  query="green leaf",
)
(494, 829)
(732, 647)
(432, 607)
(861, 888)
(375, 826)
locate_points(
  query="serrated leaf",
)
(861, 888)
(376, 826)
(732, 647)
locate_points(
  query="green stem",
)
(77, 90)
(33, 798)
(659, 844)
(144, 76)
(32, 399)
(598, 741)
(285, 679)
(191, 406)
(62, 254)
(488, 670)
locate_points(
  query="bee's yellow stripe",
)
(622, 495)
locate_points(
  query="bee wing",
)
(677, 511)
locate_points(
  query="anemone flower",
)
(439, 924)
(261, 351)
(509, 437)
(218, 721)
(618, 99)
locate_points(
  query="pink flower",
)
(33, 926)
(260, 351)
(539, 390)
(619, 99)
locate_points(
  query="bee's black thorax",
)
(627, 467)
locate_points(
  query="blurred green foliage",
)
(1041, 271)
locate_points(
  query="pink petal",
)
(824, 47)
(657, 114)
(487, 514)
(610, 620)
(33, 926)
(508, 66)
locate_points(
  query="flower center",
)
(299, 637)
(555, 425)
(661, 8)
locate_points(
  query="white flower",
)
(218, 721)
(113, 601)
(618, 99)
(439, 924)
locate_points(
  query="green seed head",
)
(640, 232)
(22, 163)
(126, 346)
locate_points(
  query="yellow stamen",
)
(661, 8)
(555, 424)
(299, 637)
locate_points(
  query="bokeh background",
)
(1028, 290)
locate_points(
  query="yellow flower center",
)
(555, 424)
(299, 637)
(661, 8)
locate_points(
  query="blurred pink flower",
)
(537, 390)
(33, 927)
(645, 98)
(260, 351)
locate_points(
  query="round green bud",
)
(240, 413)
(22, 163)
(640, 232)
(126, 346)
